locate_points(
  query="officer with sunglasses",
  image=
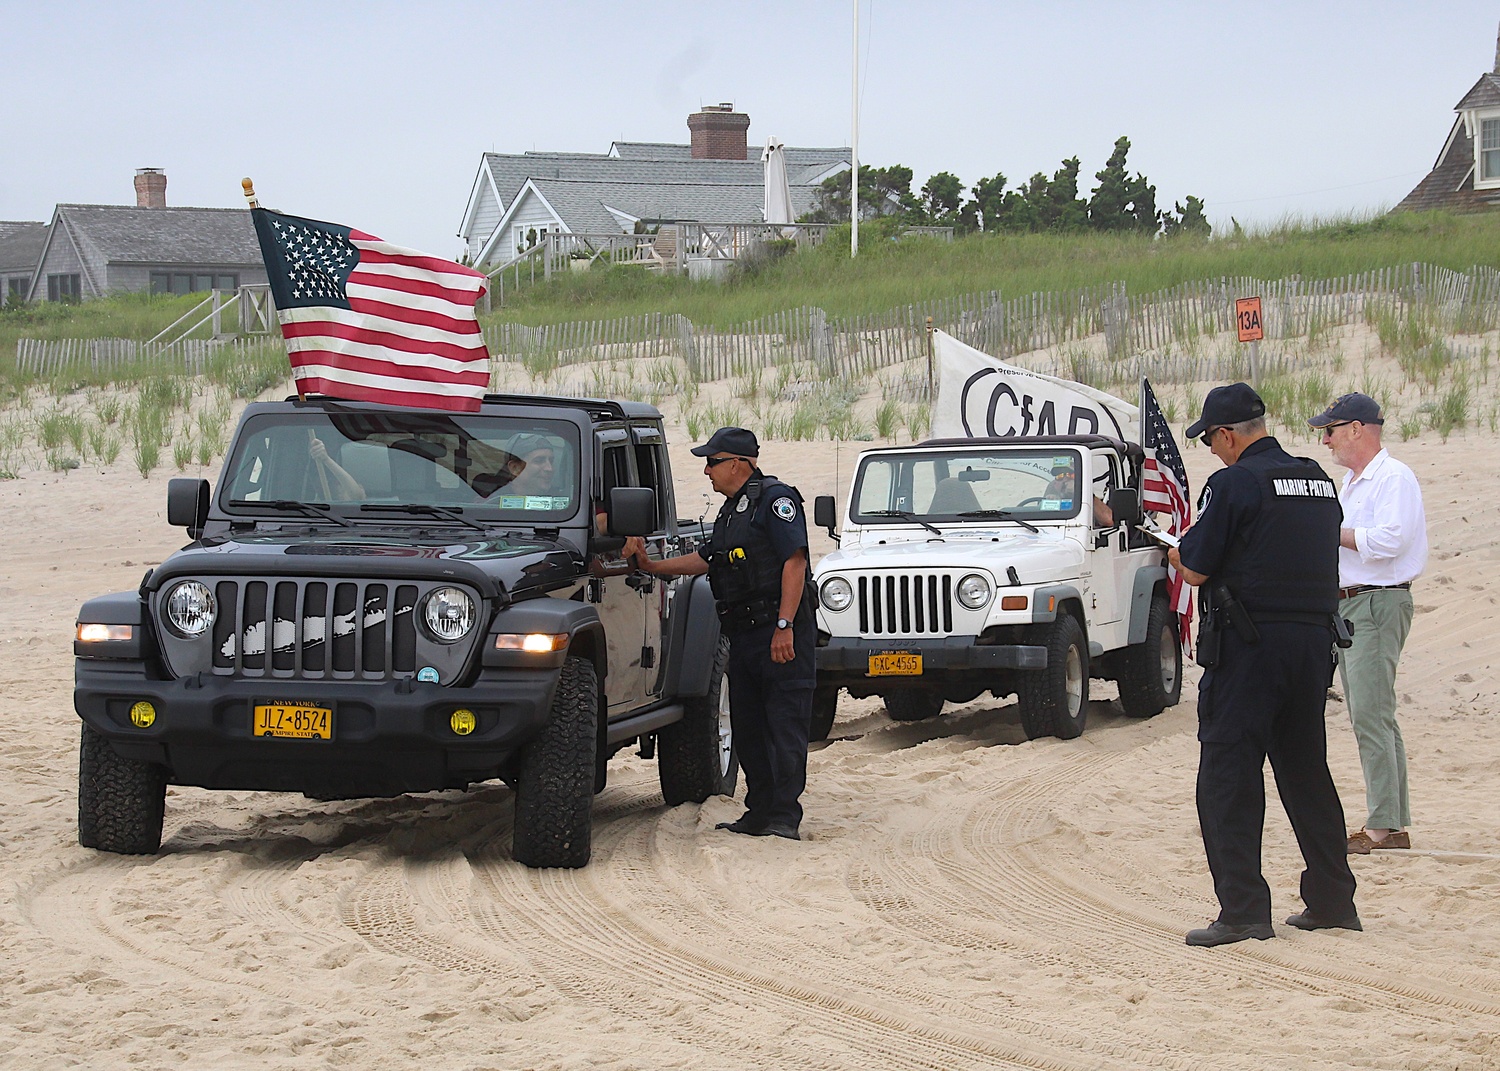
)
(758, 568)
(1264, 557)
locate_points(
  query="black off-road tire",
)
(825, 708)
(1151, 671)
(913, 705)
(555, 789)
(1055, 701)
(121, 802)
(695, 757)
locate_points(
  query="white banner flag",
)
(980, 395)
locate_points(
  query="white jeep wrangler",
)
(1011, 565)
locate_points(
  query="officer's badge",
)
(784, 508)
(743, 506)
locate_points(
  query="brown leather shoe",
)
(1361, 844)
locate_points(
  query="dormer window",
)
(1489, 150)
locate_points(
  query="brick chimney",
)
(150, 187)
(719, 133)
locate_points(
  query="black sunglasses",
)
(1327, 429)
(1207, 438)
(712, 461)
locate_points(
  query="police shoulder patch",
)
(784, 508)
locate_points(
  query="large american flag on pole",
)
(370, 321)
(1164, 489)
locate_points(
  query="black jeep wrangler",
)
(382, 600)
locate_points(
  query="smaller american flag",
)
(369, 321)
(1164, 489)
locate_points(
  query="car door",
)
(653, 470)
(617, 589)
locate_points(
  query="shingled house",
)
(1466, 177)
(93, 250)
(21, 246)
(715, 178)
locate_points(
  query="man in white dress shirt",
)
(1382, 549)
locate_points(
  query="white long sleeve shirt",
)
(1383, 504)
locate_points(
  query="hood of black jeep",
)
(500, 563)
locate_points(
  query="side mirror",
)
(1125, 504)
(187, 505)
(632, 511)
(825, 514)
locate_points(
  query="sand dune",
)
(965, 899)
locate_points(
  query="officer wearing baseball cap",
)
(757, 565)
(1264, 557)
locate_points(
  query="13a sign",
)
(1247, 317)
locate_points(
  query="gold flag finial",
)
(249, 188)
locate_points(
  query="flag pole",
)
(249, 189)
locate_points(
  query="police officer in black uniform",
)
(1264, 556)
(757, 565)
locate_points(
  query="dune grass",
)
(890, 273)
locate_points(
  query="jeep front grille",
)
(314, 628)
(906, 604)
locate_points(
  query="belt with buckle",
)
(1360, 589)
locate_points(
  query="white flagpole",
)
(854, 145)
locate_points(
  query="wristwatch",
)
(782, 622)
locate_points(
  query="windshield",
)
(1039, 484)
(509, 467)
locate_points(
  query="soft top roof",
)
(1089, 442)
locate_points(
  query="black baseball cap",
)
(1229, 404)
(736, 441)
(1347, 407)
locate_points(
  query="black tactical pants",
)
(770, 706)
(1263, 700)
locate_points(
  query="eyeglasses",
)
(1207, 438)
(1328, 428)
(712, 461)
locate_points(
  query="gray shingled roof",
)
(796, 156)
(1486, 93)
(21, 245)
(581, 203)
(1450, 183)
(510, 171)
(125, 234)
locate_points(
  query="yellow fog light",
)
(104, 633)
(462, 721)
(142, 715)
(532, 643)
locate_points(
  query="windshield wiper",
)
(317, 509)
(905, 515)
(423, 509)
(1002, 513)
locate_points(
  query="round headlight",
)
(974, 591)
(190, 608)
(449, 613)
(836, 594)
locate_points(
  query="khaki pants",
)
(1380, 620)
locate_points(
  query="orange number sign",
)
(1247, 316)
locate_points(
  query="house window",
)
(1489, 149)
(527, 235)
(182, 282)
(63, 288)
(15, 289)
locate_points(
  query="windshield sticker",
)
(1048, 504)
(512, 502)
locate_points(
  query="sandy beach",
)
(963, 899)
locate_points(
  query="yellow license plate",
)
(295, 721)
(896, 664)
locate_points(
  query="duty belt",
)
(1360, 589)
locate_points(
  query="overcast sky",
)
(375, 115)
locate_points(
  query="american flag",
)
(370, 321)
(1164, 488)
